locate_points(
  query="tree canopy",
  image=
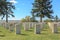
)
(42, 8)
(6, 9)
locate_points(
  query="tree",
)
(6, 9)
(42, 8)
(56, 18)
(23, 20)
(33, 17)
(28, 19)
(48, 20)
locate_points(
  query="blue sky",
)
(23, 8)
(56, 7)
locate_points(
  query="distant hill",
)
(16, 21)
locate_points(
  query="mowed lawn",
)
(46, 34)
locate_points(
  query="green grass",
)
(29, 35)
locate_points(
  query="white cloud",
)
(13, 1)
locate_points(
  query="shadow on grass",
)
(23, 34)
(2, 35)
(0, 31)
(42, 34)
(11, 31)
(44, 30)
(30, 30)
(57, 32)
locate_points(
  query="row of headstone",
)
(27, 25)
(12, 27)
(37, 26)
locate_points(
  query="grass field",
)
(29, 35)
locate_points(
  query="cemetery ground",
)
(46, 34)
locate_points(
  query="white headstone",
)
(17, 29)
(33, 23)
(30, 25)
(26, 26)
(42, 25)
(7, 25)
(11, 28)
(37, 29)
(53, 26)
(54, 30)
(3, 24)
(58, 24)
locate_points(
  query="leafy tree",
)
(28, 19)
(6, 9)
(23, 20)
(42, 8)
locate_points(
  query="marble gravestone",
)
(54, 30)
(37, 29)
(30, 25)
(53, 27)
(11, 27)
(3, 24)
(26, 26)
(17, 29)
(33, 23)
(42, 25)
(58, 24)
(7, 25)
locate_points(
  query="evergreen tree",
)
(42, 8)
(6, 9)
(56, 18)
(33, 17)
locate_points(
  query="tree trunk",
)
(6, 17)
(7, 26)
(40, 19)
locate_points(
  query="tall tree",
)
(56, 18)
(6, 9)
(42, 8)
(33, 17)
